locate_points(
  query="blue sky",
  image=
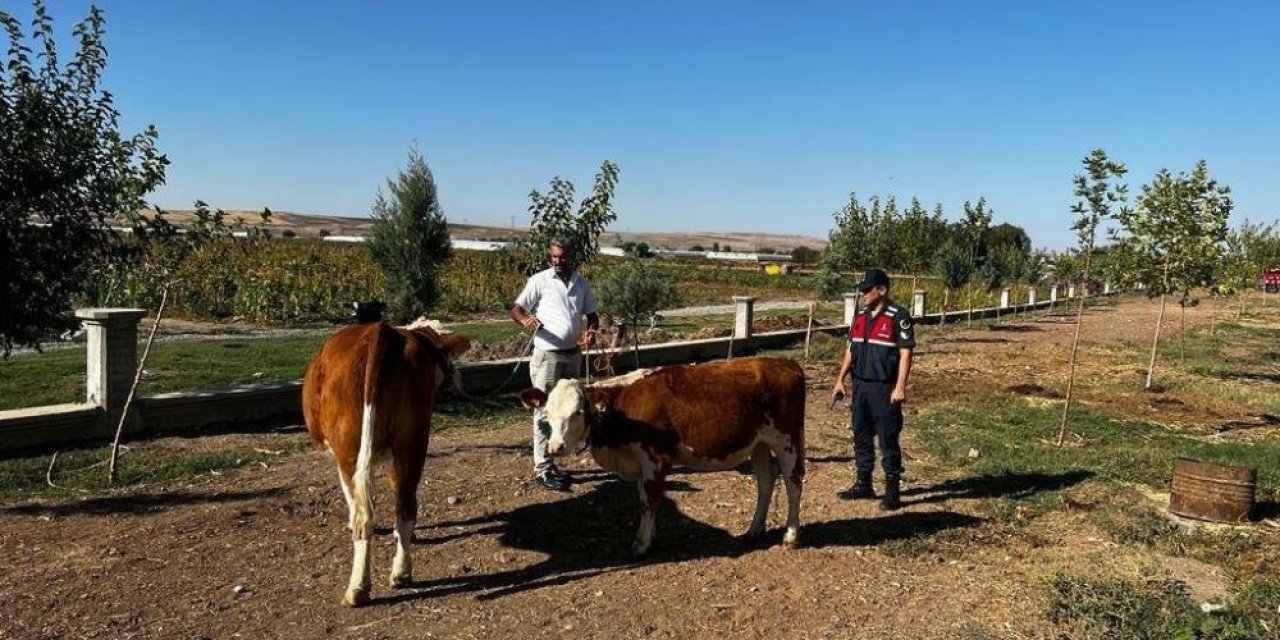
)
(722, 116)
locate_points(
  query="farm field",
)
(1004, 535)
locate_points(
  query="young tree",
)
(974, 226)
(1004, 265)
(552, 216)
(409, 239)
(633, 291)
(849, 242)
(1033, 271)
(1098, 197)
(67, 174)
(1178, 228)
(806, 255)
(1249, 250)
(956, 268)
(918, 236)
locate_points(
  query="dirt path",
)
(511, 560)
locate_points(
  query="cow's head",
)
(450, 346)
(566, 407)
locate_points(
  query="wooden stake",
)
(112, 472)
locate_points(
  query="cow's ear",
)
(455, 344)
(533, 398)
(599, 400)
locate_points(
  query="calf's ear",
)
(455, 344)
(533, 398)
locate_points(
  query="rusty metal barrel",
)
(1212, 491)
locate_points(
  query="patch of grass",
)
(488, 332)
(143, 463)
(58, 376)
(1136, 520)
(1235, 363)
(1260, 598)
(1155, 609)
(482, 414)
(971, 631)
(1013, 435)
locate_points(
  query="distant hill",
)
(307, 225)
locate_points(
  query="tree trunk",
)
(1151, 369)
(808, 332)
(1182, 333)
(1075, 347)
(112, 473)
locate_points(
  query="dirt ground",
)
(263, 553)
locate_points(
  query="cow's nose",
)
(554, 447)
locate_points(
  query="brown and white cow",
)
(369, 394)
(707, 417)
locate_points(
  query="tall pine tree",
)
(410, 239)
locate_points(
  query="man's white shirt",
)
(561, 309)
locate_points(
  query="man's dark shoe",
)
(861, 489)
(891, 502)
(551, 480)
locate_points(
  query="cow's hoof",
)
(753, 532)
(639, 548)
(356, 598)
(791, 539)
(401, 581)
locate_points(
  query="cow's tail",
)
(362, 482)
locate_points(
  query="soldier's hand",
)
(531, 323)
(898, 396)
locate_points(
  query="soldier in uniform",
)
(879, 358)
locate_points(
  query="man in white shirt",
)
(559, 307)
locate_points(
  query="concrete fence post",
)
(1031, 296)
(743, 316)
(1106, 288)
(851, 306)
(1053, 293)
(112, 362)
(1004, 298)
(918, 300)
(1071, 290)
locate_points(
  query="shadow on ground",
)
(137, 504)
(1000, 485)
(590, 533)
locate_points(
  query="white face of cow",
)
(566, 412)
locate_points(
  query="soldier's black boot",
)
(890, 501)
(861, 489)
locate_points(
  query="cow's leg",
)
(362, 525)
(650, 485)
(405, 476)
(791, 462)
(762, 463)
(346, 493)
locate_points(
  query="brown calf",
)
(370, 392)
(708, 417)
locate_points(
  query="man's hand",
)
(837, 392)
(531, 323)
(898, 396)
(589, 337)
